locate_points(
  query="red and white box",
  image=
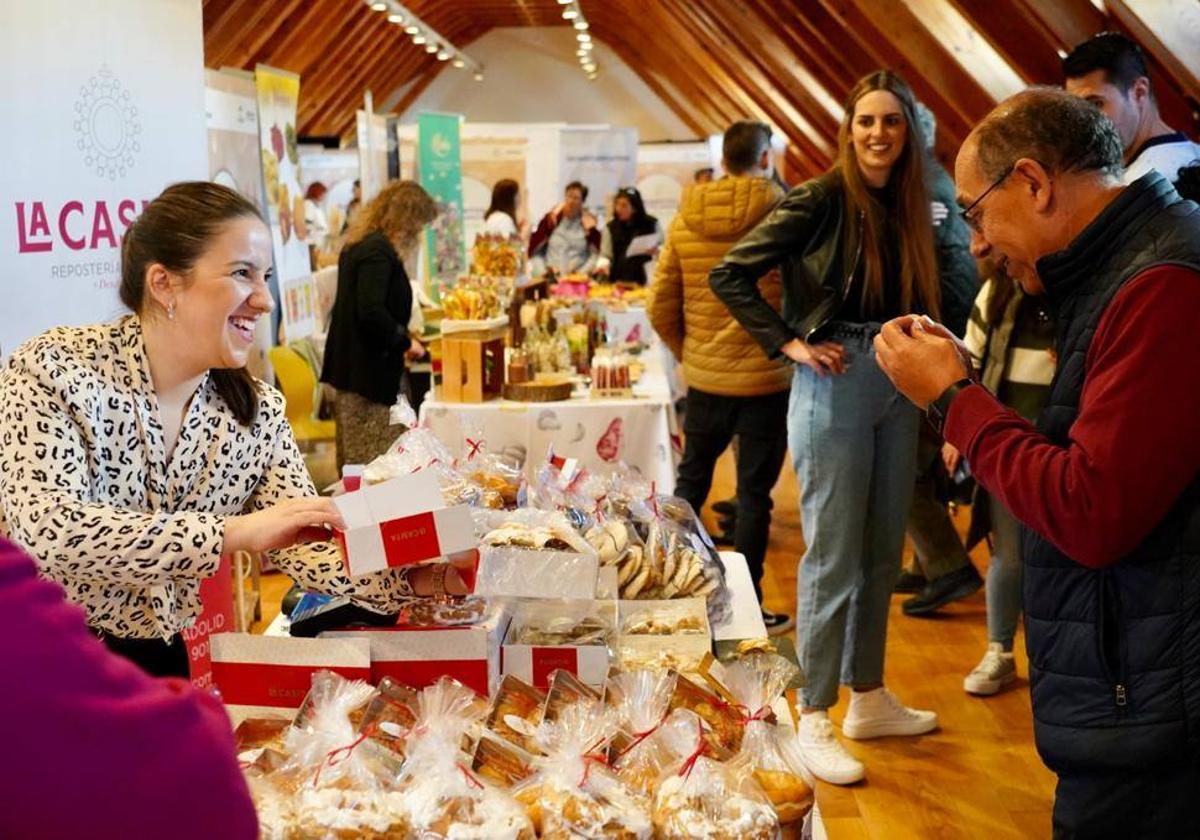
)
(420, 656)
(269, 676)
(534, 663)
(399, 523)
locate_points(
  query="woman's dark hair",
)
(504, 199)
(174, 230)
(577, 185)
(634, 198)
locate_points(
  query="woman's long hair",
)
(919, 280)
(504, 199)
(399, 212)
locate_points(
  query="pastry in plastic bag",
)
(703, 798)
(642, 701)
(515, 712)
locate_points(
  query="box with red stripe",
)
(420, 656)
(399, 523)
(269, 676)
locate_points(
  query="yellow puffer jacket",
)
(719, 357)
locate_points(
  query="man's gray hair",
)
(1061, 132)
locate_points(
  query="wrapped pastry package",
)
(572, 792)
(768, 751)
(700, 797)
(641, 701)
(531, 553)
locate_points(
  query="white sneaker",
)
(996, 670)
(823, 753)
(874, 714)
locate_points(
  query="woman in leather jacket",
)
(856, 247)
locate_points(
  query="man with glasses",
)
(1107, 485)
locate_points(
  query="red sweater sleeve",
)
(92, 746)
(1135, 445)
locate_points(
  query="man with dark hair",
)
(733, 389)
(1107, 485)
(1109, 71)
(567, 239)
(703, 175)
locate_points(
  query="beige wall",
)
(532, 75)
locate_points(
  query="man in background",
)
(733, 388)
(1109, 71)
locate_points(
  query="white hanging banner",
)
(102, 107)
(605, 159)
(665, 170)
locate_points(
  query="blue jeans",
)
(853, 440)
(1003, 576)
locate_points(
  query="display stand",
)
(472, 366)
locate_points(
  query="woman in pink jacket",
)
(93, 747)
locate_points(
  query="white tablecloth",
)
(641, 432)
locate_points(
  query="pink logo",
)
(77, 225)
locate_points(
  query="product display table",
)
(641, 431)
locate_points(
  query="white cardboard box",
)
(269, 676)
(534, 663)
(419, 656)
(400, 522)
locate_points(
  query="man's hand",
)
(824, 358)
(951, 457)
(920, 359)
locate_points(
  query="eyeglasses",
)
(976, 222)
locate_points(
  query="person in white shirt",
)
(315, 218)
(501, 215)
(1109, 71)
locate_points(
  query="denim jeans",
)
(853, 439)
(1004, 575)
(760, 423)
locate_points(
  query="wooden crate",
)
(473, 366)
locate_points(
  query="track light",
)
(379, 7)
(396, 19)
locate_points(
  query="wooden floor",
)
(977, 777)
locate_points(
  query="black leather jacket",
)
(805, 236)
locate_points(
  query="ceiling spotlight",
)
(443, 55)
(586, 46)
(431, 48)
(565, 2)
(396, 19)
(570, 14)
(379, 7)
(418, 39)
(412, 30)
(581, 25)
(591, 68)
(458, 62)
(478, 76)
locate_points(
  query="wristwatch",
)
(939, 408)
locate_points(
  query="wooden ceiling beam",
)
(255, 37)
(339, 68)
(307, 36)
(1019, 38)
(815, 54)
(1179, 60)
(240, 17)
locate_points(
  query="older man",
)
(1107, 484)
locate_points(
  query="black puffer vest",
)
(1115, 654)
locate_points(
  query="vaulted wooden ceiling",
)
(716, 61)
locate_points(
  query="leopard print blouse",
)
(86, 489)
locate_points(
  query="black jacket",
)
(1114, 654)
(368, 333)
(804, 235)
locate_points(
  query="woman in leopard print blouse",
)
(134, 454)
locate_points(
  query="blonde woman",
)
(369, 340)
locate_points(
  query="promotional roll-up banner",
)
(439, 165)
(102, 108)
(278, 95)
(665, 170)
(372, 153)
(603, 158)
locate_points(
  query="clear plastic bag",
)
(531, 553)
(768, 750)
(416, 450)
(700, 797)
(641, 700)
(573, 794)
(499, 477)
(324, 739)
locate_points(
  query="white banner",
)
(664, 170)
(372, 154)
(102, 106)
(604, 159)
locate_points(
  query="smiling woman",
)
(135, 453)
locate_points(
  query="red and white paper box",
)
(269, 676)
(420, 656)
(400, 522)
(535, 663)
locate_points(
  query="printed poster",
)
(102, 106)
(665, 170)
(440, 169)
(278, 95)
(603, 158)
